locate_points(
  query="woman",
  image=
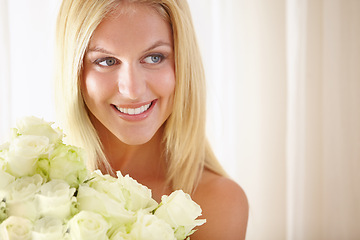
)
(131, 92)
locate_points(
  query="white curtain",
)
(284, 110)
(26, 64)
(283, 102)
(323, 118)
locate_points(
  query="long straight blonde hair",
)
(187, 151)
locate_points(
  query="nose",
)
(131, 82)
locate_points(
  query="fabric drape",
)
(284, 109)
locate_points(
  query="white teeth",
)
(134, 111)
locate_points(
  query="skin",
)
(130, 63)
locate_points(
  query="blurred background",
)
(283, 102)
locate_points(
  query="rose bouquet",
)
(46, 192)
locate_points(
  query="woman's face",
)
(128, 78)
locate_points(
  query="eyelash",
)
(101, 60)
(159, 55)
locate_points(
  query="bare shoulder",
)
(225, 208)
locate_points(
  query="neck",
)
(139, 161)
(146, 163)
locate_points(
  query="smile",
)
(134, 111)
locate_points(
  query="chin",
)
(137, 139)
(140, 138)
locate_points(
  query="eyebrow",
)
(155, 45)
(159, 44)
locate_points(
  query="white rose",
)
(39, 127)
(21, 196)
(67, 163)
(90, 199)
(43, 168)
(121, 236)
(149, 227)
(24, 152)
(3, 211)
(88, 225)
(15, 228)
(119, 233)
(106, 184)
(4, 149)
(5, 179)
(180, 211)
(48, 228)
(137, 195)
(55, 199)
(25, 187)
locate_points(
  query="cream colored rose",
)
(88, 225)
(67, 163)
(5, 179)
(90, 199)
(48, 228)
(24, 152)
(180, 211)
(3, 211)
(103, 194)
(149, 227)
(121, 236)
(20, 200)
(16, 228)
(119, 232)
(25, 187)
(137, 195)
(4, 149)
(55, 199)
(106, 184)
(38, 127)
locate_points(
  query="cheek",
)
(96, 86)
(164, 84)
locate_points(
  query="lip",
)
(135, 117)
(135, 105)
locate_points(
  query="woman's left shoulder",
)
(225, 208)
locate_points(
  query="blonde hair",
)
(187, 149)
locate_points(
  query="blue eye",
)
(157, 58)
(106, 62)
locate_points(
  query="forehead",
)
(132, 22)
